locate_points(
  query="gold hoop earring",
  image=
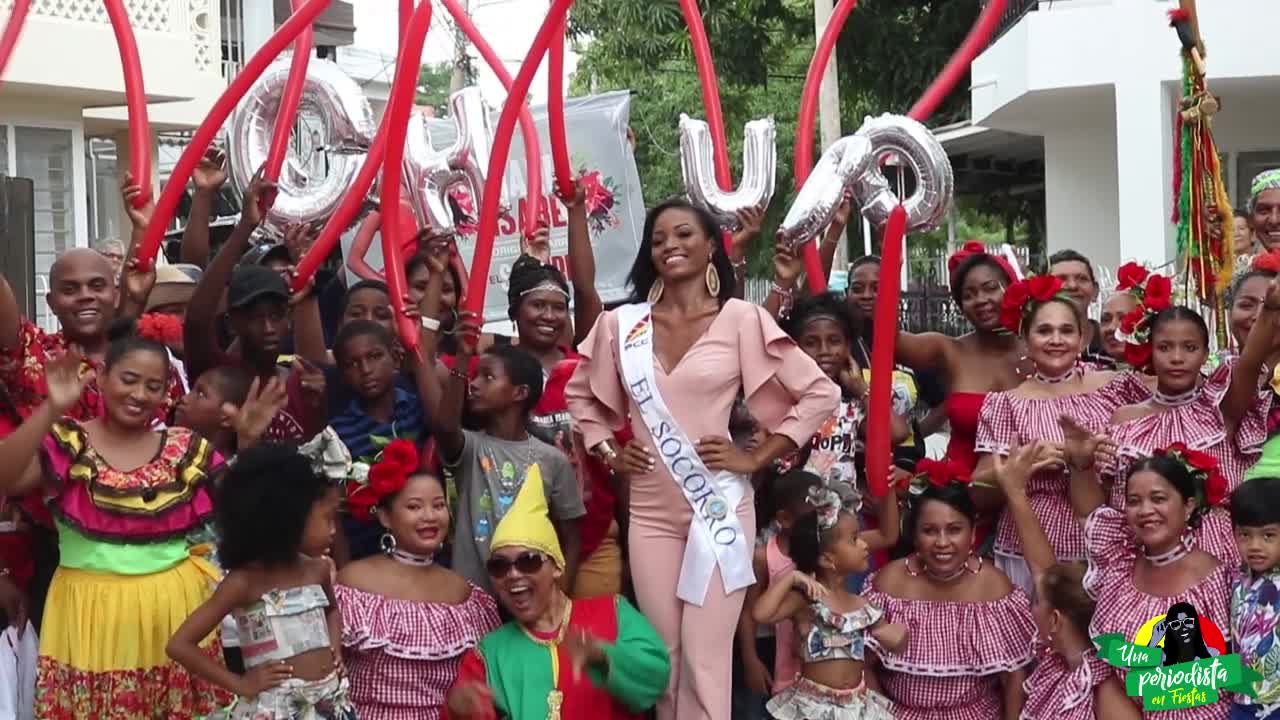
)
(655, 292)
(713, 280)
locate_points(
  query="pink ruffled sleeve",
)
(997, 429)
(595, 395)
(1109, 546)
(785, 389)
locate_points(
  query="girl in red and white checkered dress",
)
(1142, 560)
(971, 629)
(1223, 415)
(406, 622)
(1053, 329)
(1070, 681)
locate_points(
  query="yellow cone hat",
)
(528, 522)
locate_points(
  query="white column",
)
(1080, 187)
(1143, 172)
(259, 25)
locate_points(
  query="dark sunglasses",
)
(527, 563)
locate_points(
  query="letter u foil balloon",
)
(347, 128)
(912, 143)
(846, 160)
(759, 165)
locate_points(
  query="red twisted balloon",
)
(478, 283)
(528, 131)
(12, 28)
(710, 95)
(804, 127)
(555, 118)
(135, 99)
(406, 9)
(167, 205)
(885, 326)
(396, 126)
(289, 101)
(885, 323)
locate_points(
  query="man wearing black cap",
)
(258, 310)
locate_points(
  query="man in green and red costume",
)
(559, 659)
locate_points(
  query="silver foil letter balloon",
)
(913, 144)
(759, 163)
(338, 125)
(428, 173)
(841, 164)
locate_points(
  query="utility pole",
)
(460, 57)
(829, 107)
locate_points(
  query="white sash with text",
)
(715, 535)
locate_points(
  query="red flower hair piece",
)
(165, 329)
(1210, 482)
(940, 473)
(1154, 293)
(1023, 297)
(971, 248)
(398, 460)
(1267, 262)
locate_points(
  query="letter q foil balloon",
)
(759, 163)
(846, 160)
(347, 129)
(911, 143)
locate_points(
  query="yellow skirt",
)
(102, 652)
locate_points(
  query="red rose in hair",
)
(1015, 298)
(1159, 293)
(1137, 355)
(1203, 462)
(401, 453)
(1043, 287)
(1130, 276)
(1267, 262)
(360, 501)
(1215, 489)
(943, 472)
(386, 478)
(973, 247)
(1132, 319)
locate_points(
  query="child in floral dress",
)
(1255, 594)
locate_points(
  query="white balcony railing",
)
(197, 20)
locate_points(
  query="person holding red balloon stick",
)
(674, 362)
(259, 306)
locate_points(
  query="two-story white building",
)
(1089, 88)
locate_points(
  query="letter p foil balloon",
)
(846, 160)
(911, 143)
(759, 168)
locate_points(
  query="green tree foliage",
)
(433, 86)
(888, 53)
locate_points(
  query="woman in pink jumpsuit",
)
(706, 347)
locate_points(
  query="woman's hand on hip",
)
(635, 459)
(719, 453)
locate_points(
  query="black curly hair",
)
(360, 328)
(124, 340)
(526, 274)
(262, 506)
(808, 542)
(1180, 312)
(953, 495)
(824, 304)
(643, 272)
(522, 369)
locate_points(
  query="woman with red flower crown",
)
(1051, 325)
(1143, 559)
(1222, 415)
(987, 360)
(406, 621)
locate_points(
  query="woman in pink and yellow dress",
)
(674, 365)
(124, 498)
